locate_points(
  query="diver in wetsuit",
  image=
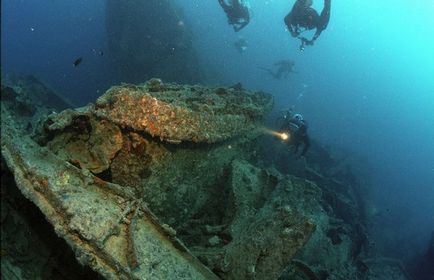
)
(237, 12)
(296, 127)
(284, 67)
(303, 17)
(241, 45)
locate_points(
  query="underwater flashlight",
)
(284, 136)
(281, 135)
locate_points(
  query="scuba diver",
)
(296, 127)
(241, 45)
(284, 67)
(237, 12)
(303, 17)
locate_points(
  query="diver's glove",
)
(305, 42)
(302, 46)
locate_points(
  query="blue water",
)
(367, 86)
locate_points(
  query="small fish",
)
(77, 61)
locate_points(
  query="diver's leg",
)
(268, 71)
(296, 146)
(325, 15)
(278, 74)
(306, 142)
(225, 6)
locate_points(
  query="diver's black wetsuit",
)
(238, 14)
(284, 68)
(302, 16)
(297, 130)
(301, 137)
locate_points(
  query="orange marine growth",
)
(153, 129)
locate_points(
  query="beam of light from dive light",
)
(281, 135)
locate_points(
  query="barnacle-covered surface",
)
(184, 113)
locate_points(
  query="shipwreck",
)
(163, 181)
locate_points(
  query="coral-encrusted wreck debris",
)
(184, 113)
(161, 181)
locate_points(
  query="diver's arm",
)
(242, 24)
(289, 18)
(224, 5)
(239, 26)
(323, 19)
(307, 42)
(323, 22)
(269, 71)
(325, 15)
(315, 36)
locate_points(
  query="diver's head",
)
(298, 117)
